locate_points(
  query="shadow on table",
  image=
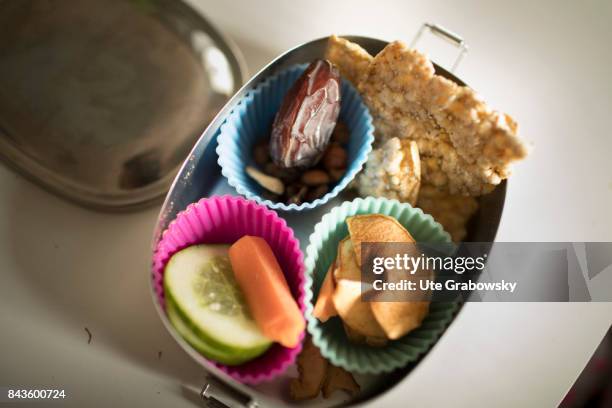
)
(91, 270)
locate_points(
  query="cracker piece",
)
(350, 58)
(465, 147)
(393, 171)
(452, 211)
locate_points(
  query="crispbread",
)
(452, 211)
(465, 147)
(350, 58)
(393, 170)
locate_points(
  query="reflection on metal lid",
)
(215, 63)
(101, 101)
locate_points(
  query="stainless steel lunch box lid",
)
(101, 101)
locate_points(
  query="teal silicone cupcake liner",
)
(330, 336)
(252, 119)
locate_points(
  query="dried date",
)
(306, 119)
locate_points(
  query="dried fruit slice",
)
(312, 370)
(354, 312)
(375, 228)
(324, 308)
(398, 318)
(339, 379)
(347, 267)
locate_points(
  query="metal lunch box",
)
(200, 176)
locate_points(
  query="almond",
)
(270, 183)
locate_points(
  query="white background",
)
(546, 63)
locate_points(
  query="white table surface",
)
(65, 268)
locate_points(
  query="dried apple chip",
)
(339, 379)
(399, 318)
(354, 312)
(347, 262)
(375, 228)
(312, 370)
(324, 308)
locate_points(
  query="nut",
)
(307, 117)
(313, 178)
(335, 157)
(268, 182)
(317, 192)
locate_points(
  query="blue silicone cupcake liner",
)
(252, 118)
(330, 337)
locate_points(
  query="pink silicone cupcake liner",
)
(224, 220)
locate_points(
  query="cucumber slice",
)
(183, 329)
(198, 343)
(207, 308)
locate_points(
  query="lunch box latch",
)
(447, 35)
(219, 395)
